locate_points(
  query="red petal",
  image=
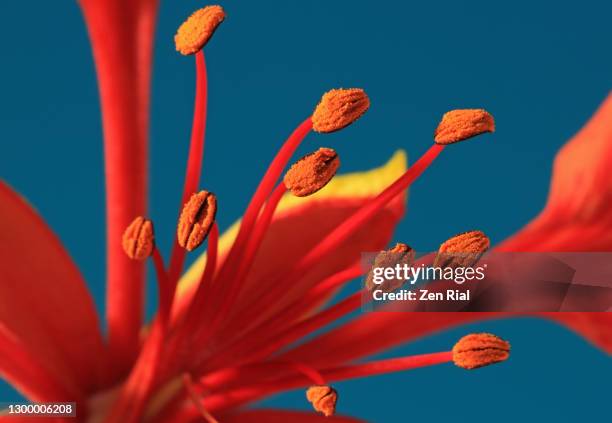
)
(191, 415)
(43, 300)
(282, 416)
(26, 373)
(14, 418)
(578, 214)
(121, 34)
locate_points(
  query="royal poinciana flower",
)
(232, 329)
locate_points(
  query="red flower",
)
(225, 335)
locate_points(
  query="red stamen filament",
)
(164, 288)
(196, 400)
(198, 305)
(338, 235)
(277, 330)
(194, 161)
(248, 256)
(142, 378)
(244, 394)
(259, 198)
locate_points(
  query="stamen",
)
(194, 162)
(462, 250)
(196, 219)
(164, 287)
(480, 349)
(317, 321)
(312, 172)
(138, 239)
(244, 394)
(262, 192)
(400, 254)
(386, 366)
(323, 399)
(245, 264)
(198, 305)
(346, 228)
(143, 376)
(274, 329)
(339, 108)
(343, 231)
(196, 400)
(459, 125)
(195, 32)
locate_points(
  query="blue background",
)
(541, 69)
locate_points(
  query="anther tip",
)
(138, 239)
(480, 349)
(312, 172)
(339, 108)
(462, 250)
(459, 125)
(196, 31)
(196, 220)
(323, 398)
(400, 254)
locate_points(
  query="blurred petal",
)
(595, 327)
(191, 415)
(300, 223)
(578, 214)
(14, 418)
(43, 299)
(282, 416)
(26, 373)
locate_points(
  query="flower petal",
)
(282, 416)
(578, 215)
(26, 373)
(299, 223)
(43, 299)
(191, 415)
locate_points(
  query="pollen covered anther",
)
(196, 219)
(399, 255)
(138, 239)
(312, 172)
(323, 399)
(462, 250)
(195, 32)
(459, 125)
(479, 350)
(339, 108)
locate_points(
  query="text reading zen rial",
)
(386, 280)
